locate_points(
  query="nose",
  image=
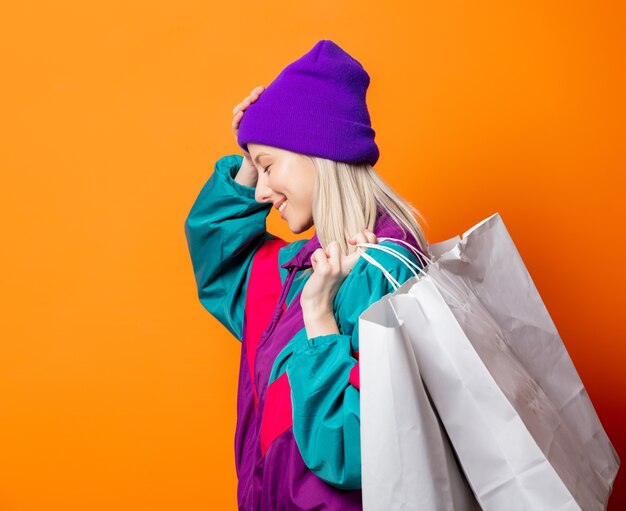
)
(262, 192)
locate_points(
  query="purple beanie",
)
(315, 106)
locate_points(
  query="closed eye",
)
(265, 169)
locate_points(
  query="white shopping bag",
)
(496, 274)
(501, 380)
(406, 458)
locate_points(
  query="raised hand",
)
(238, 112)
(330, 268)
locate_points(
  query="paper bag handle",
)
(410, 264)
(420, 255)
(394, 283)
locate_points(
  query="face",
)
(285, 177)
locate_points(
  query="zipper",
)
(280, 307)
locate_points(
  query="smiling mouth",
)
(282, 207)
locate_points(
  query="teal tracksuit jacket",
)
(297, 439)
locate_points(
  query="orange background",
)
(118, 389)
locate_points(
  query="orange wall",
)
(118, 390)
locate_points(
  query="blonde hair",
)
(345, 199)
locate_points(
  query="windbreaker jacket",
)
(297, 439)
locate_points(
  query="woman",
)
(308, 150)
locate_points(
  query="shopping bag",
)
(406, 458)
(526, 433)
(496, 274)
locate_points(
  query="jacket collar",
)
(385, 227)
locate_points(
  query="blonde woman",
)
(308, 150)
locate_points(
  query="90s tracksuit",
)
(297, 440)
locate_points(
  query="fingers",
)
(257, 90)
(361, 238)
(251, 98)
(366, 236)
(371, 237)
(241, 107)
(237, 119)
(329, 260)
(334, 256)
(319, 260)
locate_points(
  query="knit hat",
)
(315, 106)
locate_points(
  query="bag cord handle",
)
(410, 264)
(407, 262)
